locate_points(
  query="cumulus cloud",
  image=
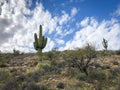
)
(50, 45)
(74, 11)
(18, 24)
(64, 18)
(117, 12)
(92, 31)
(60, 41)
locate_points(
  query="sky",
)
(68, 24)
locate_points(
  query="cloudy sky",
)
(67, 23)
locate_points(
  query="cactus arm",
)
(35, 37)
(40, 32)
(35, 46)
(44, 42)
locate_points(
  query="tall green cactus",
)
(105, 44)
(39, 43)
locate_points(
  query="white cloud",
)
(64, 18)
(17, 30)
(60, 41)
(74, 11)
(94, 31)
(84, 22)
(50, 45)
(117, 12)
(18, 24)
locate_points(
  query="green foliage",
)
(39, 43)
(2, 64)
(2, 60)
(16, 52)
(117, 52)
(98, 75)
(53, 54)
(105, 44)
(84, 58)
(4, 75)
(90, 51)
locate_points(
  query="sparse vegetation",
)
(22, 72)
(78, 69)
(16, 52)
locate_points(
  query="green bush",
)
(33, 86)
(16, 52)
(4, 75)
(97, 75)
(2, 64)
(117, 52)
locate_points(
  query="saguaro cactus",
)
(105, 44)
(39, 43)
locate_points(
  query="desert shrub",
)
(82, 65)
(2, 64)
(83, 58)
(32, 86)
(105, 66)
(81, 76)
(98, 75)
(117, 52)
(60, 85)
(53, 54)
(3, 60)
(118, 84)
(53, 63)
(35, 76)
(51, 70)
(16, 52)
(22, 83)
(61, 64)
(68, 54)
(89, 51)
(81, 85)
(14, 83)
(50, 55)
(115, 71)
(36, 69)
(10, 85)
(4, 75)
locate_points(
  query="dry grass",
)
(49, 73)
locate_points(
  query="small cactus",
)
(105, 44)
(39, 43)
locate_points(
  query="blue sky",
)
(68, 24)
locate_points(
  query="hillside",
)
(25, 72)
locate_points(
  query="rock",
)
(106, 66)
(35, 63)
(20, 77)
(96, 64)
(60, 85)
(13, 70)
(115, 62)
(10, 85)
(117, 70)
(31, 86)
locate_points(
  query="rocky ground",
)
(61, 74)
